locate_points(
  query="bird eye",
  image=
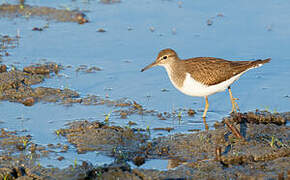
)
(164, 57)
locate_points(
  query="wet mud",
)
(250, 145)
(96, 136)
(48, 13)
(243, 145)
(19, 159)
(263, 151)
(16, 85)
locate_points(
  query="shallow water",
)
(247, 30)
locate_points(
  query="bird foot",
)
(235, 107)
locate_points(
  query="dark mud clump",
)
(45, 12)
(15, 85)
(122, 143)
(259, 117)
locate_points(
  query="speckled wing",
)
(211, 71)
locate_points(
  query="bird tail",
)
(260, 62)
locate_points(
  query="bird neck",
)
(175, 72)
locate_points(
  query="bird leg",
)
(206, 107)
(205, 124)
(235, 106)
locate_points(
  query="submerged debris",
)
(7, 42)
(101, 30)
(209, 22)
(110, 1)
(49, 13)
(234, 130)
(85, 68)
(163, 129)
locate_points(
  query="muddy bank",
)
(16, 85)
(19, 159)
(48, 13)
(261, 151)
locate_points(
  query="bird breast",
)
(192, 87)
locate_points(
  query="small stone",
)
(209, 22)
(164, 90)
(180, 4)
(138, 160)
(28, 101)
(152, 29)
(20, 147)
(85, 164)
(37, 29)
(191, 112)
(93, 69)
(50, 145)
(60, 158)
(101, 30)
(123, 115)
(3, 68)
(173, 31)
(32, 148)
(110, 1)
(81, 18)
(131, 123)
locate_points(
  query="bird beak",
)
(149, 66)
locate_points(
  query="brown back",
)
(211, 71)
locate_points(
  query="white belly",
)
(193, 88)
